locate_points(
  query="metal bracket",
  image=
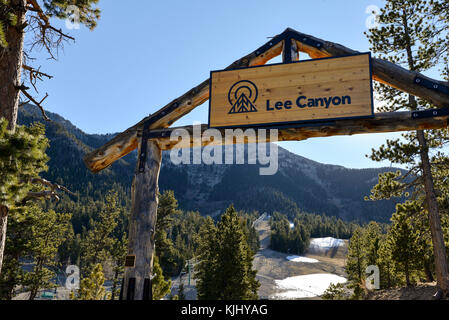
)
(146, 134)
(147, 290)
(431, 85)
(431, 113)
(308, 41)
(131, 289)
(287, 53)
(143, 146)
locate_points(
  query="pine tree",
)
(166, 212)
(205, 271)
(356, 258)
(118, 255)
(405, 37)
(388, 273)
(372, 236)
(403, 240)
(22, 158)
(98, 242)
(160, 286)
(32, 18)
(227, 264)
(92, 287)
(49, 231)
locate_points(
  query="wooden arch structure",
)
(152, 135)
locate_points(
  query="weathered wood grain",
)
(142, 221)
(313, 79)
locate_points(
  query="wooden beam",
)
(381, 123)
(383, 71)
(142, 227)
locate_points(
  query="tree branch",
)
(52, 193)
(38, 104)
(35, 74)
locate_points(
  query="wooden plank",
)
(383, 71)
(337, 88)
(381, 123)
(142, 222)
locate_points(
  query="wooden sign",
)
(303, 91)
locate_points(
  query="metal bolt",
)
(435, 113)
(435, 86)
(271, 43)
(257, 52)
(418, 80)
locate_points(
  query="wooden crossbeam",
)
(381, 123)
(383, 71)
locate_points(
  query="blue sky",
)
(138, 59)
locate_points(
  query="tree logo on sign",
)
(242, 96)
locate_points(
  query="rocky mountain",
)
(299, 185)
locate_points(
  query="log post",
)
(142, 224)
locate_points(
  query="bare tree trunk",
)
(142, 225)
(441, 266)
(10, 74)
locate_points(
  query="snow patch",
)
(301, 259)
(325, 243)
(306, 286)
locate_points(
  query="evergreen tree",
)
(160, 286)
(32, 18)
(18, 245)
(98, 242)
(205, 271)
(49, 231)
(118, 255)
(356, 258)
(372, 236)
(388, 278)
(229, 270)
(403, 240)
(165, 250)
(92, 287)
(405, 38)
(22, 158)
